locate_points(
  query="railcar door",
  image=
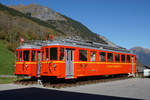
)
(69, 63)
(38, 63)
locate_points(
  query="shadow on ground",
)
(47, 94)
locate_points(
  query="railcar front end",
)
(27, 60)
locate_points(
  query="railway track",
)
(61, 83)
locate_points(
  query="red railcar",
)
(27, 60)
(72, 59)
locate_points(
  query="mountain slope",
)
(61, 22)
(143, 54)
(40, 12)
(14, 24)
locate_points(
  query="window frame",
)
(47, 53)
(119, 60)
(35, 56)
(28, 55)
(95, 56)
(129, 61)
(52, 53)
(103, 56)
(60, 53)
(123, 61)
(19, 55)
(111, 58)
(87, 57)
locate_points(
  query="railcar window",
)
(20, 55)
(61, 54)
(53, 53)
(33, 58)
(42, 54)
(26, 55)
(122, 58)
(93, 56)
(47, 53)
(117, 57)
(83, 55)
(110, 57)
(128, 59)
(16, 55)
(102, 56)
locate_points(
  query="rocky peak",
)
(40, 12)
(143, 54)
(61, 23)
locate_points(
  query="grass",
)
(6, 80)
(6, 60)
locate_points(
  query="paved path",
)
(131, 88)
(116, 90)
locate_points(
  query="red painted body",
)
(22, 67)
(81, 68)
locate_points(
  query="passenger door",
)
(38, 63)
(69, 63)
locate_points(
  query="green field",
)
(6, 80)
(6, 60)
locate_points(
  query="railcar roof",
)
(29, 46)
(72, 43)
(56, 43)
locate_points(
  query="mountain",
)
(43, 13)
(62, 23)
(34, 20)
(143, 54)
(14, 24)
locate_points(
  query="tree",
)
(2, 35)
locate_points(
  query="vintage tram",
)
(70, 59)
(27, 59)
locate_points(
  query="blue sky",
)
(124, 22)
